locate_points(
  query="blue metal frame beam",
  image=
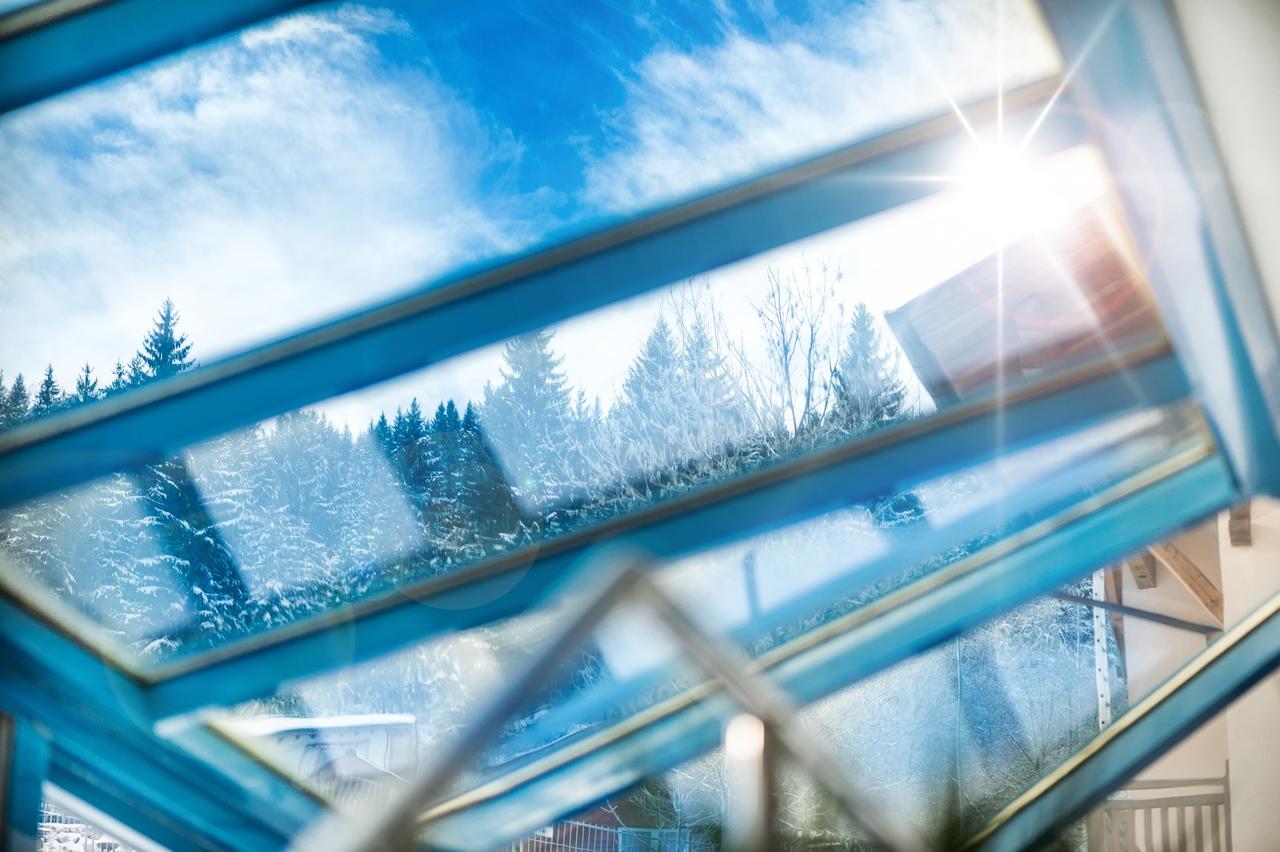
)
(49, 47)
(138, 778)
(140, 832)
(140, 791)
(1222, 672)
(94, 715)
(24, 764)
(883, 463)
(1130, 71)
(492, 302)
(913, 620)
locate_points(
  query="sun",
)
(1011, 192)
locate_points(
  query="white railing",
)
(1147, 816)
(575, 836)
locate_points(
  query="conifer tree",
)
(48, 395)
(713, 401)
(868, 392)
(380, 434)
(138, 374)
(451, 529)
(651, 402)
(446, 418)
(119, 381)
(651, 376)
(165, 352)
(86, 386)
(869, 395)
(528, 419)
(15, 404)
(484, 490)
(410, 452)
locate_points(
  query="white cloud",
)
(278, 177)
(264, 182)
(697, 117)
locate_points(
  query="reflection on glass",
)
(769, 595)
(329, 158)
(113, 551)
(790, 352)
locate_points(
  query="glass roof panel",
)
(769, 595)
(627, 407)
(803, 348)
(943, 741)
(330, 158)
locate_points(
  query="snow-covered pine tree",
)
(448, 522)
(381, 533)
(288, 484)
(484, 491)
(86, 386)
(870, 395)
(411, 452)
(528, 418)
(48, 395)
(645, 416)
(713, 403)
(180, 522)
(137, 370)
(380, 434)
(15, 404)
(119, 380)
(164, 351)
(868, 391)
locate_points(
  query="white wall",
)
(1232, 46)
(1250, 575)
(1153, 652)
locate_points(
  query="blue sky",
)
(341, 155)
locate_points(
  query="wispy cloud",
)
(263, 182)
(702, 115)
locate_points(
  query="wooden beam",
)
(1240, 526)
(1200, 586)
(1143, 569)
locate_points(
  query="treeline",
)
(295, 516)
(164, 353)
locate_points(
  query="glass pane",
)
(1214, 790)
(64, 827)
(768, 595)
(937, 744)
(795, 351)
(644, 818)
(963, 730)
(943, 741)
(333, 157)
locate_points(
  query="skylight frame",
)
(494, 301)
(1230, 364)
